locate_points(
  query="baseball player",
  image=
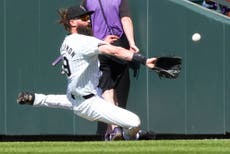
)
(80, 60)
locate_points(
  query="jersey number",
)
(65, 66)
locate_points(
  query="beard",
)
(85, 30)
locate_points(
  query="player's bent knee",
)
(135, 122)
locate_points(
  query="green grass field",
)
(121, 147)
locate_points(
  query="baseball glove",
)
(168, 67)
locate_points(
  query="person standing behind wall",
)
(217, 7)
(111, 22)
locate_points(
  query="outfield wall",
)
(196, 103)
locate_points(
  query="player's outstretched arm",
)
(126, 55)
(116, 51)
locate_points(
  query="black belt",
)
(85, 97)
(88, 96)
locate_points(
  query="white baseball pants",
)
(93, 109)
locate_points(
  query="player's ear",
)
(72, 23)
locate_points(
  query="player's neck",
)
(73, 30)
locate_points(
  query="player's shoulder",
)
(80, 37)
(71, 36)
(90, 39)
(83, 40)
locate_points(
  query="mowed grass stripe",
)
(158, 146)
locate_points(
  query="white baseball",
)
(196, 37)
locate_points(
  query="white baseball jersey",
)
(80, 61)
(81, 65)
